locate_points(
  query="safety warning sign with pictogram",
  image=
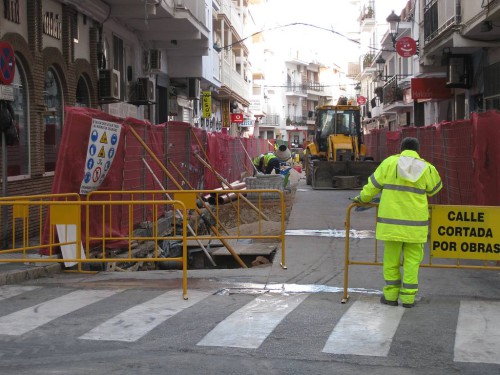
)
(103, 142)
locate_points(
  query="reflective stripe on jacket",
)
(268, 157)
(406, 181)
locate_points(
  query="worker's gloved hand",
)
(357, 199)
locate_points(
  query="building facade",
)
(147, 59)
(453, 71)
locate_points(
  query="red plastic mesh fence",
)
(465, 153)
(393, 141)
(456, 167)
(448, 146)
(486, 157)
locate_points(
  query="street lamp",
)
(380, 62)
(357, 89)
(393, 19)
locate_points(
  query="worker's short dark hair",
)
(410, 143)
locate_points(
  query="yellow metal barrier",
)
(87, 231)
(63, 215)
(451, 228)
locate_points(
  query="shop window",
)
(52, 119)
(18, 155)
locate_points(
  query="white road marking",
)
(8, 291)
(249, 326)
(25, 320)
(137, 321)
(477, 337)
(367, 328)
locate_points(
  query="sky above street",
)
(317, 17)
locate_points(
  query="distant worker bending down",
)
(266, 163)
(406, 181)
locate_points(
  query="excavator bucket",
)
(341, 174)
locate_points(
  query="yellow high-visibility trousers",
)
(413, 253)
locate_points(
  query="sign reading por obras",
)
(467, 232)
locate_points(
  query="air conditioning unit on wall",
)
(144, 90)
(109, 84)
(152, 60)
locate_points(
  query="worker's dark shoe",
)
(409, 305)
(389, 303)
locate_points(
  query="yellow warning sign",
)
(104, 138)
(467, 232)
(102, 153)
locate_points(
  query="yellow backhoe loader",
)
(337, 158)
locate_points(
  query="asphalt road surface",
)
(266, 320)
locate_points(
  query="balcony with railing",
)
(232, 11)
(296, 120)
(272, 120)
(194, 7)
(393, 97)
(296, 89)
(367, 16)
(392, 92)
(234, 81)
(439, 16)
(368, 60)
(314, 88)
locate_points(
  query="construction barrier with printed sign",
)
(457, 233)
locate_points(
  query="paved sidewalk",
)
(15, 273)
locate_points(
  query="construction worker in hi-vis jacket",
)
(405, 180)
(266, 163)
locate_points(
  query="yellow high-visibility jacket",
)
(261, 162)
(406, 181)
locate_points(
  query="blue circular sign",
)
(90, 163)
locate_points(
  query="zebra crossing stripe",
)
(25, 320)
(8, 291)
(135, 322)
(249, 326)
(477, 337)
(367, 328)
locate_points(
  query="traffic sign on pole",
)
(7, 63)
(361, 100)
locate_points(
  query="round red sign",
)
(361, 100)
(406, 46)
(7, 63)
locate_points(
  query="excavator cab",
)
(334, 160)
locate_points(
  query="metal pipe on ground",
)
(211, 198)
(227, 183)
(224, 198)
(169, 175)
(179, 211)
(202, 201)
